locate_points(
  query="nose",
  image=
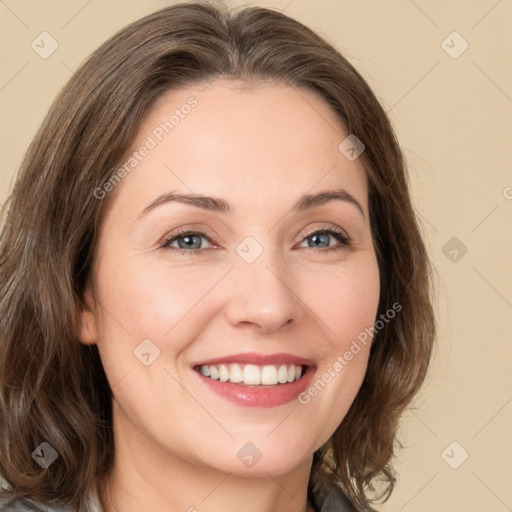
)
(263, 296)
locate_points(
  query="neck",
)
(146, 477)
(200, 490)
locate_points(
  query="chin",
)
(259, 457)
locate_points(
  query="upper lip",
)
(257, 359)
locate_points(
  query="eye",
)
(189, 242)
(321, 237)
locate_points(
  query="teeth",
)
(269, 375)
(214, 372)
(282, 374)
(223, 373)
(253, 375)
(235, 373)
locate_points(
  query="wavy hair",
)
(52, 387)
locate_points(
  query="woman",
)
(214, 292)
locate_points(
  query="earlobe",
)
(88, 332)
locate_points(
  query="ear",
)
(88, 333)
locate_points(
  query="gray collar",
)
(332, 499)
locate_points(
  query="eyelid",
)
(327, 227)
(209, 235)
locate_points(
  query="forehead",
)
(225, 139)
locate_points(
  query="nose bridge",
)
(262, 292)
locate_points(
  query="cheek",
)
(345, 300)
(143, 299)
(150, 297)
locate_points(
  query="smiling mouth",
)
(252, 374)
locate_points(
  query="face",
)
(224, 325)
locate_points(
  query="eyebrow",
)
(218, 205)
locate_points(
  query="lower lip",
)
(260, 396)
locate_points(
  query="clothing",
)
(28, 505)
(332, 501)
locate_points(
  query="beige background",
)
(454, 119)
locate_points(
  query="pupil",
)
(316, 238)
(188, 242)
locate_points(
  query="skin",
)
(260, 149)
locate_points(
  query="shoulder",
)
(28, 505)
(22, 505)
(17, 505)
(332, 499)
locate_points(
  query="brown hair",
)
(53, 388)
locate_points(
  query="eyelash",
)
(344, 240)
